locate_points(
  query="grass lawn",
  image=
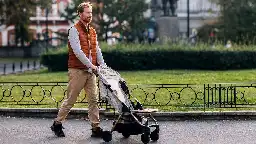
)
(148, 77)
(152, 96)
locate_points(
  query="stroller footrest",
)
(147, 110)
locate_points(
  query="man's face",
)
(86, 16)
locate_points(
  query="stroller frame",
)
(132, 119)
(137, 123)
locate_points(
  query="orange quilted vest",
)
(88, 41)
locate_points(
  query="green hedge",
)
(55, 62)
(164, 59)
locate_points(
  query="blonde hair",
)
(83, 5)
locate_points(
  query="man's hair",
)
(83, 5)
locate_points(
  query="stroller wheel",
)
(107, 136)
(145, 138)
(125, 134)
(154, 135)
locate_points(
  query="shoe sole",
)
(58, 135)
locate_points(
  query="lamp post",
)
(188, 18)
(46, 24)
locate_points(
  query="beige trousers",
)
(78, 80)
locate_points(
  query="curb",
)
(43, 112)
(79, 113)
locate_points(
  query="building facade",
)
(201, 12)
(38, 24)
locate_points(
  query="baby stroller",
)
(132, 119)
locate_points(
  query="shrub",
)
(176, 56)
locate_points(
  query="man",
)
(84, 56)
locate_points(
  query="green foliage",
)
(17, 13)
(125, 11)
(70, 11)
(237, 21)
(175, 56)
(45, 3)
(129, 15)
(2, 10)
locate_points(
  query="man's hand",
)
(94, 69)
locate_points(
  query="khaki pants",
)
(78, 80)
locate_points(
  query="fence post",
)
(21, 65)
(4, 69)
(28, 65)
(13, 67)
(34, 63)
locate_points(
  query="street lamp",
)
(188, 18)
(46, 23)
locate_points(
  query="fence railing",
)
(163, 96)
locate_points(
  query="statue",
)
(173, 7)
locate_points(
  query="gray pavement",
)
(36, 131)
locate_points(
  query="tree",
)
(237, 21)
(113, 15)
(2, 15)
(70, 11)
(17, 13)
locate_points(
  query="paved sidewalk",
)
(37, 131)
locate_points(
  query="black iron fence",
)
(163, 96)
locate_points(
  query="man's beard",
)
(87, 20)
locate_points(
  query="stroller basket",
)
(133, 118)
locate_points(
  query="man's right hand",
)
(94, 68)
